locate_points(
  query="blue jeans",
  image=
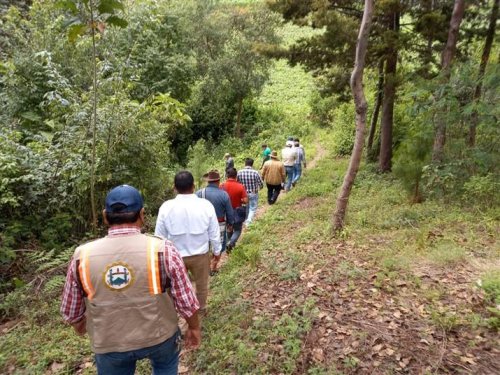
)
(222, 229)
(289, 177)
(164, 359)
(235, 234)
(297, 172)
(253, 200)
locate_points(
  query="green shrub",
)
(490, 283)
(322, 110)
(447, 253)
(410, 158)
(482, 190)
(343, 129)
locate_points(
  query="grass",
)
(260, 308)
(33, 346)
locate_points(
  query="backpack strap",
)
(203, 193)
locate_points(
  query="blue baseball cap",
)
(123, 198)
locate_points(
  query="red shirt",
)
(235, 190)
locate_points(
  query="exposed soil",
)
(370, 322)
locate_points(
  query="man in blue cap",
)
(126, 289)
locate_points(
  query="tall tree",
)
(93, 15)
(376, 109)
(488, 43)
(446, 59)
(235, 69)
(361, 108)
(329, 54)
(386, 124)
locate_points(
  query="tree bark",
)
(446, 59)
(361, 108)
(376, 109)
(93, 121)
(238, 118)
(471, 139)
(385, 157)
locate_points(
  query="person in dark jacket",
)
(222, 204)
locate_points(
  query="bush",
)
(322, 110)
(482, 190)
(410, 158)
(490, 283)
(343, 129)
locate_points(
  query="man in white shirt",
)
(191, 224)
(288, 157)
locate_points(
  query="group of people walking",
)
(282, 175)
(127, 288)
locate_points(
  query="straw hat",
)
(274, 155)
(212, 176)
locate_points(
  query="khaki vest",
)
(126, 307)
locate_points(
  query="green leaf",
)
(75, 31)
(109, 6)
(18, 283)
(32, 116)
(67, 5)
(116, 21)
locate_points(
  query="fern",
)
(50, 261)
(49, 268)
(54, 285)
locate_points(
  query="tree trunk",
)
(471, 139)
(446, 58)
(93, 121)
(385, 157)
(428, 54)
(238, 118)
(376, 109)
(361, 107)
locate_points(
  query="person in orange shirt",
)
(238, 195)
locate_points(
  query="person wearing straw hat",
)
(273, 174)
(223, 209)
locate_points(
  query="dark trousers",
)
(272, 193)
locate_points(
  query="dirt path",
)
(367, 316)
(373, 319)
(261, 210)
(320, 154)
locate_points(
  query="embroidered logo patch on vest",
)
(118, 276)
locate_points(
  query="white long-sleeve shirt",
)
(190, 223)
(288, 156)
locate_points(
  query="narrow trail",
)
(320, 154)
(366, 318)
(184, 367)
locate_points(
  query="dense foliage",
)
(172, 73)
(181, 82)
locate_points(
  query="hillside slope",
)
(397, 293)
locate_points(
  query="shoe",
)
(229, 248)
(214, 272)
